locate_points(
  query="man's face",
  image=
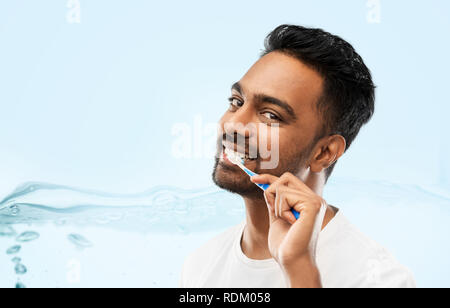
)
(273, 111)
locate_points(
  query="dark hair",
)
(348, 98)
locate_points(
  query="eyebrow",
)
(263, 98)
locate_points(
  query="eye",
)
(235, 103)
(270, 116)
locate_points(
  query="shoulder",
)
(362, 261)
(209, 253)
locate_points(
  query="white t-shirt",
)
(344, 256)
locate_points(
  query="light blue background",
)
(93, 104)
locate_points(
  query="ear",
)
(326, 152)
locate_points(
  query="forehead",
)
(286, 78)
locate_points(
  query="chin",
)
(234, 181)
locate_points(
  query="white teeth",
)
(232, 155)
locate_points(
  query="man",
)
(315, 91)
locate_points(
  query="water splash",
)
(160, 209)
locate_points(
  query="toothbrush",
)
(239, 161)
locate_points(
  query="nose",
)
(241, 124)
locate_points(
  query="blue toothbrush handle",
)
(265, 186)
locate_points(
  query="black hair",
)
(348, 98)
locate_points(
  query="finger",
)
(287, 182)
(264, 179)
(270, 192)
(271, 211)
(301, 231)
(277, 204)
(292, 181)
(286, 206)
(297, 198)
(270, 179)
(281, 210)
(289, 199)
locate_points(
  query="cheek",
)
(272, 142)
(275, 139)
(290, 146)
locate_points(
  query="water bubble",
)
(20, 269)
(14, 210)
(20, 285)
(16, 260)
(13, 250)
(7, 231)
(27, 236)
(79, 240)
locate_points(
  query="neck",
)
(254, 240)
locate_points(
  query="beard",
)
(232, 179)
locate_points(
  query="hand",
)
(289, 239)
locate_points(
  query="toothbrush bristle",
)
(232, 157)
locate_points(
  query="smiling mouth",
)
(242, 156)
